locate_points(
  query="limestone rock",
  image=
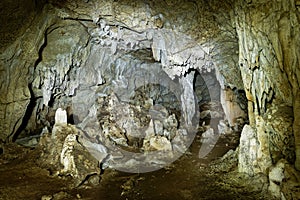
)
(97, 150)
(227, 163)
(254, 184)
(264, 160)
(17, 56)
(64, 156)
(46, 197)
(68, 52)
(262, 45)
(247, 156)
(159, 129)
(67, 158)
(24, 14)
(296, 128)
(64, 46)
(224, 127)
(188, 98)
(170, 124)
(31, 141)
(204, 114)
(160, 143)
(279, 126)
(231, 106)
(284, 181)
(276, 176)
(150, 132)
(60, 116)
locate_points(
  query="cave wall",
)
(40, 68)
(16, 17)
(22, 35)
(268, 34)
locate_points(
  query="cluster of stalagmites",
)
(148, 126)
(141, 131)
(128, 133)
(70, 151)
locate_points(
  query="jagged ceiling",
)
(57, 37)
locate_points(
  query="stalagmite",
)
(60, 116)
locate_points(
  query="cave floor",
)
(187, 178)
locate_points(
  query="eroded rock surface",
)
(66, 152)
(268, 43)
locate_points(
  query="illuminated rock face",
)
(247, 53)
(94, 44)
(269, 63)
(233, 106)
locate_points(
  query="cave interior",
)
(148, 99)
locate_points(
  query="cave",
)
(148, 99)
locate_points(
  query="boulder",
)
(160, 143)
(284, 181)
